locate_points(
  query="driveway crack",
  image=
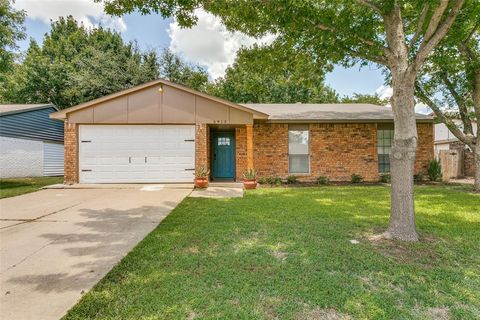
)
(22, 221)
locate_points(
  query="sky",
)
(207, 43)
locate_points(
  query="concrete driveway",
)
(56, 244)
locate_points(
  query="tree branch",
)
(422, 95)
(421, 22)
(476, 99)
(380, 59)
(367, 3)
(435, 19)
(461, 104)
(429, 43)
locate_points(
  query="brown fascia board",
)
(62, 114)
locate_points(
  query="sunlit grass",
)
(286, 254)
(17, 186)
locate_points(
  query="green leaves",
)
(174, 69)
(75, 65)
(275, 74)
(11, 30)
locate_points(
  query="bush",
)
(292, 179)
(277, 181)
(356, 178)
(434, 170)
(250, 174)
(418, 177)
(263, 180)
(385, 178)
(323, 180)
(270, 180)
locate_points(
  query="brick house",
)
(162, 132)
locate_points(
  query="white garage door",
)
(136, 153)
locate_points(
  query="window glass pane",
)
(384, 148)
(297, 142)
(298, 163)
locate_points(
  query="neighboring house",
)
(161, 132)
(445, 140)
(31, 144)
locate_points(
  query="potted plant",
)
(201, 177)
(250, 179)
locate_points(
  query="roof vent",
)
(298, 103)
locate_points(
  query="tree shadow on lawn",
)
(275, 254)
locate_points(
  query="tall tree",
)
(11, 30)
(450, 83)
(74, 65)
(174, 69)
(397, 34)
(275, 74)
(365, 98)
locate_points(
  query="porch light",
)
(160, 89)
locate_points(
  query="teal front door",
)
(223, 155)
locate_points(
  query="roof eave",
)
(418, 120)
(28, 110)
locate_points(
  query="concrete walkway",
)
(56, 244)
(219, 190)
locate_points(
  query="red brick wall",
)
(270, 149)
(240, 152)
(425, 149)
(336, 150)
(340, 150)
(70, 153)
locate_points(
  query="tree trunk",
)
(476, 152)
(402, 158)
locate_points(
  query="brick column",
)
(240, 152)
(249, 146)
(70, 153)
(201, 146)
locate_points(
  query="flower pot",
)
(201, 183)
(250, 184)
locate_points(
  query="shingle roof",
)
(16, 108)
(328, 112)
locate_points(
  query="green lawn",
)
(18, 186)
(286, 254)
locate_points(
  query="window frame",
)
(299, 127)
(381, 165)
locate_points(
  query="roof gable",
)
(63, 114)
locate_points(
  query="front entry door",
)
(223, 157)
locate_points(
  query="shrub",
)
(356, 178)
(270, 180)
(250, 174)
(385, 178)
(277, 181)
(434, 170)
(263, 180)
(202, 172)
(323, 180)
(292, 179)
(418, 177)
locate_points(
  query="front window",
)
(384, 146)
(298, 157)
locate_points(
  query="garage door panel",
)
(136, 153)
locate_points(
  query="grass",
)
(17, 186)
(285, 253)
